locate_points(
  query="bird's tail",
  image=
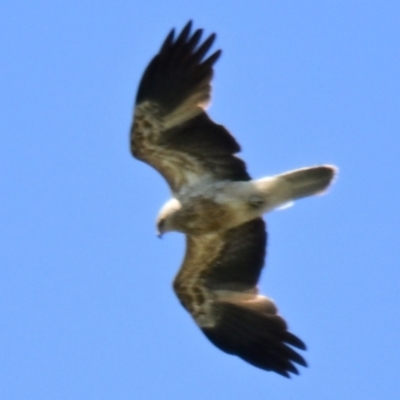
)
(289, 186)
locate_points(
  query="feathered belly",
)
(201, 216)
(207, 214)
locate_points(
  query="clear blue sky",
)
(86, 305)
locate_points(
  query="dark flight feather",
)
(239, 264)
(177, 69)
(258, 337)
(167, 136)
(214, 147)
(239, 322)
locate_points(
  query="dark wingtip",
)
(178, 69)
(257, 337)
(188, 27)
(294, 341)
(184, 35)
(168, 41)
(285, 374)
(212, 59)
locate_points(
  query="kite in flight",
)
(215, 204)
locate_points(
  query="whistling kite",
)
(215, 204)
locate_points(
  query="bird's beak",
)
(159, 235)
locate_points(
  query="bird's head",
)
(166, 221)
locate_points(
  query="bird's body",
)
(216, 205)
(219, 206)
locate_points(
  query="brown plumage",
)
(215, 204)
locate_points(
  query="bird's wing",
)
(217, 285)
(170, 129)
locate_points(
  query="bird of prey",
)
(215, 204)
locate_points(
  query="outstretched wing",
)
(171, 130)
(217, 285)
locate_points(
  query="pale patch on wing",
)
(251, 300)
(190, 108)
(181, 170)
(286, 205)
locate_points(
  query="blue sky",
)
(86, 305)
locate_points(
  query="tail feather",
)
(309, 181)
(284, 188)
